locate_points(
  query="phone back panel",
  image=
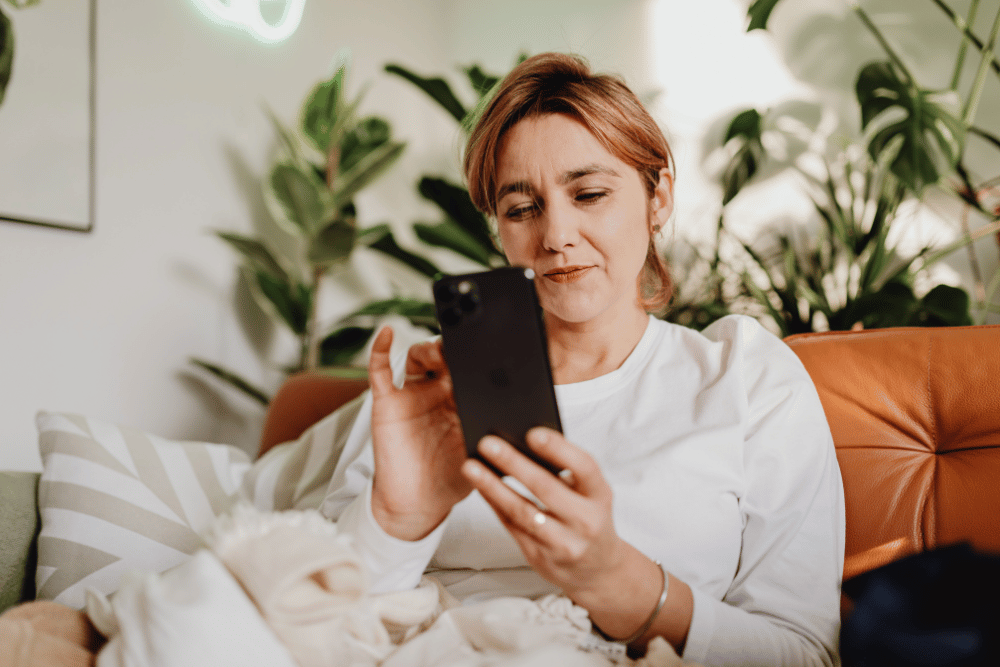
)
(495, 346)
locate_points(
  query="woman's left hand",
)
(573, 543)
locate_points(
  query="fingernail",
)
(473, 469)
(490, 445)
(540, 435)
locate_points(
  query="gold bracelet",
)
(652, 617)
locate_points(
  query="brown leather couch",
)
(915, 416)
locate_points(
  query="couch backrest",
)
(915, 416)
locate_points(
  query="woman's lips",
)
(568, 274)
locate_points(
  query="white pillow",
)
(113, 499)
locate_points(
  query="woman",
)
(703, 501)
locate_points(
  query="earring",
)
(656, 229)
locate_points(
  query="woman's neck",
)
(581, 351)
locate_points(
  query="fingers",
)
(521, 517)
(426, 359)
(379, 369)
(579, 469)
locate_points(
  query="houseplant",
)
(324, 161)
(912, 138)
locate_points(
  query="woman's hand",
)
(573, 544)
(417, 441)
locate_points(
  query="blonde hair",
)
(558, 83)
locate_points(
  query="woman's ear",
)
(663, 198)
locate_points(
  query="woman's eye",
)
(591, 196)
(520, 212)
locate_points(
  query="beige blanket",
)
(283, 588)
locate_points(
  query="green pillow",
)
(19, 526)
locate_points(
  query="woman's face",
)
(577, 215)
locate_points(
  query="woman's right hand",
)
(417, 441)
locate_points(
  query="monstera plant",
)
(847, 274)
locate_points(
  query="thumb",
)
(379, 370)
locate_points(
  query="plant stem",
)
(977, 273)
(873, 29)
(960, 61)
(991, 228)
(964, 28)
(972, 104)
(311, 342)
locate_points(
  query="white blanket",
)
(284, 590)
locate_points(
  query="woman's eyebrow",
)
(523, 187)
(587, 170)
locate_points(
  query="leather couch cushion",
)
(915, 416)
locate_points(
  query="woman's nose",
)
(560, 228)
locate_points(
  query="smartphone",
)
(493, 335)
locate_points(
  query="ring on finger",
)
(539, 518)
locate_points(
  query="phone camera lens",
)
(468, 302)
(451, 316)
(447, 292)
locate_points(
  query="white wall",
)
(103, 324)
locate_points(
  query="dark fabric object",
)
(940, 607)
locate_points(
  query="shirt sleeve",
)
(392, 564)
(783, 606)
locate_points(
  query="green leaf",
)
(454, 200)
(944, 306)
(890, 306)
(437, 88)
(6, 53)
(303, 197)
(341, 346)
(926, 137)
(367, 135)
(233, 379)
(745, 127)
(380, 238)
(481, 82)
(368, 168)
(256, 253)
(291, 301)
(419, 313)
(759, 12)
(334, 243)
(449, 235)
(287, 138)
(322, 108)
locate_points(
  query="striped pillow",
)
(113, 499)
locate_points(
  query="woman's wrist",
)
(640, 598)
(407, 525)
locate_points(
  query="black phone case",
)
(495, 346)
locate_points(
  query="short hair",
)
(556, 83)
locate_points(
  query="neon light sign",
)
(247, 15)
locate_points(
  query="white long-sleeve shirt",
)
(722, 466)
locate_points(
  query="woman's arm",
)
(398, 477)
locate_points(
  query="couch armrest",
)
(304, 399)
(19, 524)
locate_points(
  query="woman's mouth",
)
(568, 274)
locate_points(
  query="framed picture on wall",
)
(47, 115)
